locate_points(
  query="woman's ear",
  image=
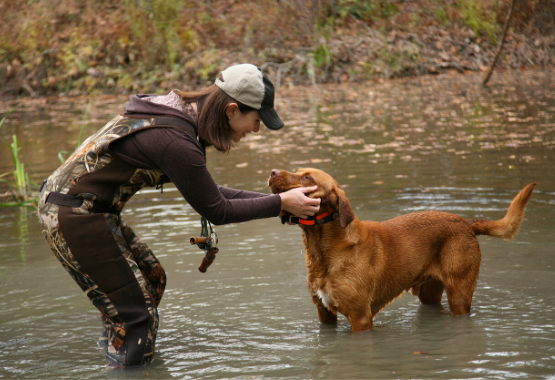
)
(231, 109)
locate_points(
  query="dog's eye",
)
(308, 178)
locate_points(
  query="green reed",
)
(19, 172)
(20, 191)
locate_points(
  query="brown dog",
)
(358, 268)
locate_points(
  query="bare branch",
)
(500, 46)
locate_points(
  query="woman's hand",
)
(297, 203)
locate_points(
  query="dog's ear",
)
(346, 213)
(339, 201)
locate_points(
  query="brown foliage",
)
(71, 46)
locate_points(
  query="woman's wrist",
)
(285, 201)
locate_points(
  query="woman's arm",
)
(180, 157)
(230, 193)
(183, 163)
(293, 201)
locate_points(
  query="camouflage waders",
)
(79, 211)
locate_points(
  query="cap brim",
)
(270, 119)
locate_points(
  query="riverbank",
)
(104, 47)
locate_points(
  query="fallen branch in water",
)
(12, 342)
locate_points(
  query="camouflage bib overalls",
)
(79, 211)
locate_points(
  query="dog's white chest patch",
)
(325, 298)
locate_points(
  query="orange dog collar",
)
(320, 219)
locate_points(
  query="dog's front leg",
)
(324, 314)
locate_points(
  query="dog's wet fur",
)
(358, 267)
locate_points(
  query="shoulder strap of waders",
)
(175, 122)
(167, 120)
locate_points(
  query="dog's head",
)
(332, 196)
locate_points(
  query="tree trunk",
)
(500, 46)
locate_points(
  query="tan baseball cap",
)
(247, 84)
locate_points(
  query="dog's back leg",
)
(460, 265)
(460, 300)
(360, 320)
(431, 292)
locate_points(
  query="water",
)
(397, 147)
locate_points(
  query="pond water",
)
(439, 143)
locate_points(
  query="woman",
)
(157, 139)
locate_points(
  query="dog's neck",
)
(319, 238)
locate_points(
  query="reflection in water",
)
(427, 143)
(23, 231)
(435, 345)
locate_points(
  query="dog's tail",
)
(507, 227)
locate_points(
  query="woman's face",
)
(242, 123)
